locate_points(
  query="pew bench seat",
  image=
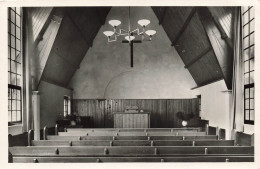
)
(114, 133)
(188, 129)
(223, 158)
(207, 137)
(130, 150)
(132, 143)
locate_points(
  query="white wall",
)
(215, 104)
(51, 103)
(158, 71)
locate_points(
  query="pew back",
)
(133, 159)
(135, 129)
(132, 143)
(113, 133)
(207, 137)
(130, 151)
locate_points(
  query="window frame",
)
(248, 68)
(66, 100)
(15, 67)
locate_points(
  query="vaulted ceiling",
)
(202, 37)
(199, 40)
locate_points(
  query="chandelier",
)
(129, 34)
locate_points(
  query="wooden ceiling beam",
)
(78, 28)
(203, 53)
(223, 53)
(163, 15)
(185, 25)
(40, 34)
(222, 31)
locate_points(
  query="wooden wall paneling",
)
(222, 51)
(110, 114)
(172, 106)
(195, 106)
(163, 111)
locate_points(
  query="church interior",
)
(131, 84)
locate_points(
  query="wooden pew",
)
(113, 133)
(207, 137)
(133, 159)
(132, 143)
(128, 151)
(134, 129)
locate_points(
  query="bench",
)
(227, 158)
(132, 143)
(113, 133)
(134, 129)
(207, 137)
(128, 151)
(206, 148)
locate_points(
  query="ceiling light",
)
(143, 22)
(108, 33)
(129, 38)
(150, 32)
(114, 23)
(129, 33)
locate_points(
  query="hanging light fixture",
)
(129, 34)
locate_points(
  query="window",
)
(248, 34)
(14, 66)
(199, 99)
(66, 106)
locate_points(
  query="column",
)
(36, 114)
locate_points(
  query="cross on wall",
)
(131, 44)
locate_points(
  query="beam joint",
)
(224, 36)
(185, 25)
(203, 53)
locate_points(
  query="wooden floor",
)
(130, 145)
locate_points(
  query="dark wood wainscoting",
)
(163, 111)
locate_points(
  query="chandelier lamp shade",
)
(129, 34)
